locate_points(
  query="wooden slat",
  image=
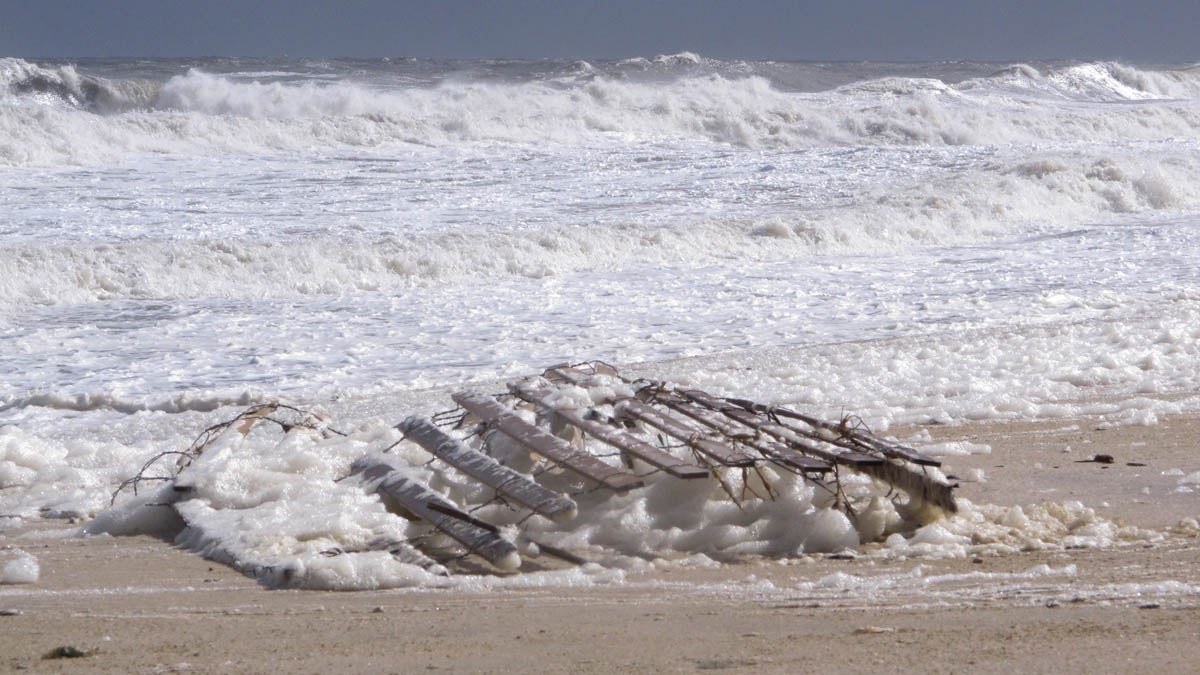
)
(477, 536)
(900, 475)
(605, 433)
(769, 448)
(905, 477)
(568, 374)
(544, 443)
(717, 451)
(864, 440)
(684, 432)
(846, 458)
(514, 486)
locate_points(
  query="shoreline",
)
(140, 604)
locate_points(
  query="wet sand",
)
(139, 605)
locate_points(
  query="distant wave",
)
(56, 116)
(1097, 82)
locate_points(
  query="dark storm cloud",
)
(1153, 31)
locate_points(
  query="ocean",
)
(913, 243)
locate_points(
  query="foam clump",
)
(937, 535)
(148, 513)
(23, 569)
(347, 572)
(829, 530)
(23, 458)
(983, 529)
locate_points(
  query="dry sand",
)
(139, 605)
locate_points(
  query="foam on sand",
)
(23, 568)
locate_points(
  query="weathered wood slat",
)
(865, 441)
(568, 374)
(477, 536)
(837, 433)
(673, 427)
(514, 486)
(605, 433)
(546, 444)
(769, 448)
(789, 436)
(846, 458)
(905, 477)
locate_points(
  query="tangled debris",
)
(555, 444)
(286, 417)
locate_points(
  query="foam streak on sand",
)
(911, 243)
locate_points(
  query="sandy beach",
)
(138, 604)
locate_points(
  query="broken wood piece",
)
(480, 538)
(695, 438)
(920, 487)
(544, 443)
(512, 485)
(610, 435)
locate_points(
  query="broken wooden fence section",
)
(653, 424)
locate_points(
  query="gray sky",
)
(1150, 31)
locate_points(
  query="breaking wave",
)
(64, 85)
(999, 199)
(51, 116)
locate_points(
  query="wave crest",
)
(1099, 82)
(64, 85)
(207, 114)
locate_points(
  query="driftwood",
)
(285, 416)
